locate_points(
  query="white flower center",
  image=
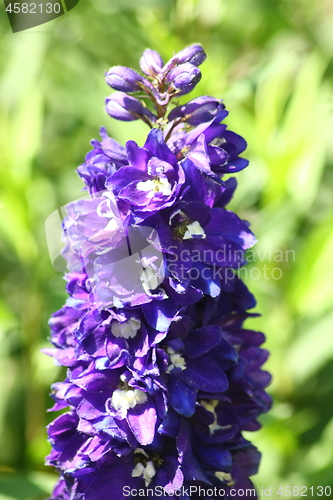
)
(128, 329)
(149, 279)
(157, 185)
(147, 471)
(123, 400)
(176, 360)
(194, 229)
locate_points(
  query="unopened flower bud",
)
(199, 110)
(193, 54)
(123, 79)
(126, 108)
(151, 62)
(184, 77)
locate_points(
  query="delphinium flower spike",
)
(162, 377)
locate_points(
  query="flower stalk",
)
(162, 377)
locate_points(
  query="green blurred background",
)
(271, 61)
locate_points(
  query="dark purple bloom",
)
(222, 147)
(198, 360)
(104, 471)
(199, 242)
(162, 377)
(153, 178)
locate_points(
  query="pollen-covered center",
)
(149, 278)
(186, 228)
(176, 360)
(146, 465)
(194, 229)
(156, 185)
(225, 476)
(126, 397)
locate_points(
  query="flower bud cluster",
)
(161, 83)
(162, 377)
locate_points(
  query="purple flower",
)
(106, 157)
(129, 469)
(222, 146)
(162, 377)
(199, 241)
(153, 179)
(119, 330)
(198, 360)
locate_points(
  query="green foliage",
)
(271, 61)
